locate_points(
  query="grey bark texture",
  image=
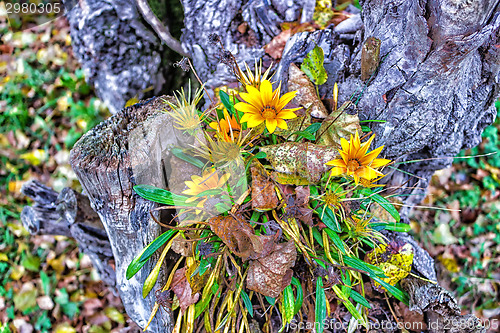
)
(69, 214)
(435, 88)
(109, 160)
(120, 54)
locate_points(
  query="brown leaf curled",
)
(263, 194)
(240, 237)
(271, 274)
(182, 289)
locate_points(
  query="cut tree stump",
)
(109, 160)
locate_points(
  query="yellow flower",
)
(209, 180)
(228, 129)
(265, 105)
(361, 228)
(356, 162)
(252, 79)
(184, 110)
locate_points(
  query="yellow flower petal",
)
(282, 124)
(271, 125)
(378, 162)
(337, 171)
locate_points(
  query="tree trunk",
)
(435, 88)
(109, 160)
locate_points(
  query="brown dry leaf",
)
(305, 160)
(277, 45)
(299, 206)
(263, 194)
(271, 274)
(240, 237)
(338, 124)
(182, 289)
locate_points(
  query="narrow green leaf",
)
(223, 322)
(187, 158)
(313, 128)
(157, 243)
(328, 218)
(320, 305)
(383, 202)
(305, 135)
(394, 291)
(399, 227)
(336, 240)
(147, 252)
(361, 265)
(352, 309)
(159, 195)
(247, 302)
(288, 305)
(358, 298)
(300, 295)
(313, 66)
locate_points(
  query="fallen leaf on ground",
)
(182, 289)
(271, 274)
(240, 237)
(263, 194)
(395, 259)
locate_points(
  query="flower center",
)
(268, 112)
(332, 200)
(353, 165)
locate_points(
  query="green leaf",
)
(336, 240)
(288, 305)
(399, 227)
(31, 263)
(383, 202)
(45, 283)
(358, 298)
(394, 291)
(147, 252)
(328, 218)
(305, 135)
(270, 300)
(247, 302)
(159, 195)
(361, 265)
(313, 128)
(300, 295)
(365, 129)
(226, 101)
(320, 305)
(313, 66)
(187, 158)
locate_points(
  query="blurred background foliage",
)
(46, 285)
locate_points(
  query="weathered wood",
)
(435, 95)
(129, 148)
(69, 214)
(121, 56)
